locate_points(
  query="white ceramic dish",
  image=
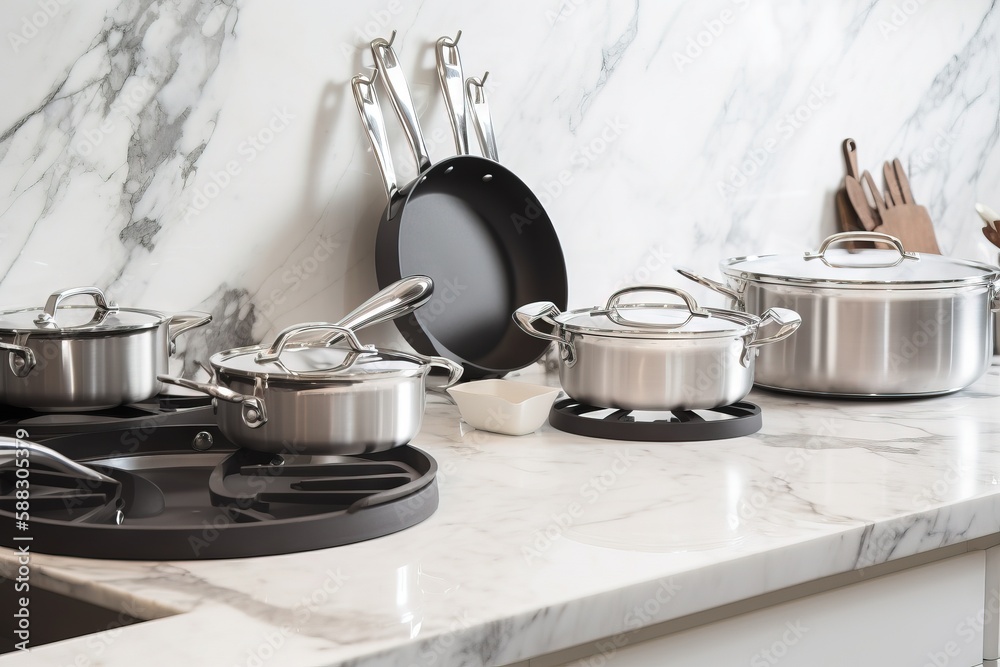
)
(504, 406)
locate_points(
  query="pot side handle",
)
(527, 315)
(182, 322)
(254, 413)
(454, 369)
(20, 359)
(788, 320)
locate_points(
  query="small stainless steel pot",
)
(655, 356)
(68, 358)
(309, 398)
(876, 322)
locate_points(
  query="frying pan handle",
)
(481, 116)
(399, 95)
(844, 237)
(374, 122)
(449, 69)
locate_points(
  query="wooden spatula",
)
(907, 221)
(848, 219)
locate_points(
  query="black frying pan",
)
(477, 230)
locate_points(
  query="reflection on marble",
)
(201, 154)
(551, 540)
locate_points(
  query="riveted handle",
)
(400, 298)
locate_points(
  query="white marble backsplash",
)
(208, 155)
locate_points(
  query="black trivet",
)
(730, 421)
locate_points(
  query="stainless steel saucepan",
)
(307, 397)
(655, 356)
(876, 322)
(73, 357)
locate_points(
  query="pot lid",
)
(657, 320)
(875, 267)
(317, 360)
(56, 320)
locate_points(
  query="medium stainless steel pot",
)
(70, 357)
(309, 398)
(876, 322)
(656, 356)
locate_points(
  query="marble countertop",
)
(551, 540)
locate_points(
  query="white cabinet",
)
(991, 612)
(928, 615)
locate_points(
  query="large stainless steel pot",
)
(309, 398)
(876, 322)
(73, 357)
(656, 356)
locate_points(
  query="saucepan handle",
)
(254, 412)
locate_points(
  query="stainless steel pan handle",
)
(254, 412)
(182, 322)
(612, 312)
(713, 285)
(104, 306)
(878, 237)
(481, 116)
(400, 298)
(54, 460)
(527, 315)
(374, 123)
(399, 95)
(287, 334)
(449, 69)
(20, 359)
(788, 321)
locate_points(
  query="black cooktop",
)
(183, 492)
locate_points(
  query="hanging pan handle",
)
(449, 69)
(104, 306)
(481, 116)
(844, 237)
(374, 123)
(399, 95)
(612, 312)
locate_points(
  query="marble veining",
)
(207, 155)
(551, 540)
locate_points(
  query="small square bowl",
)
(504, 406)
